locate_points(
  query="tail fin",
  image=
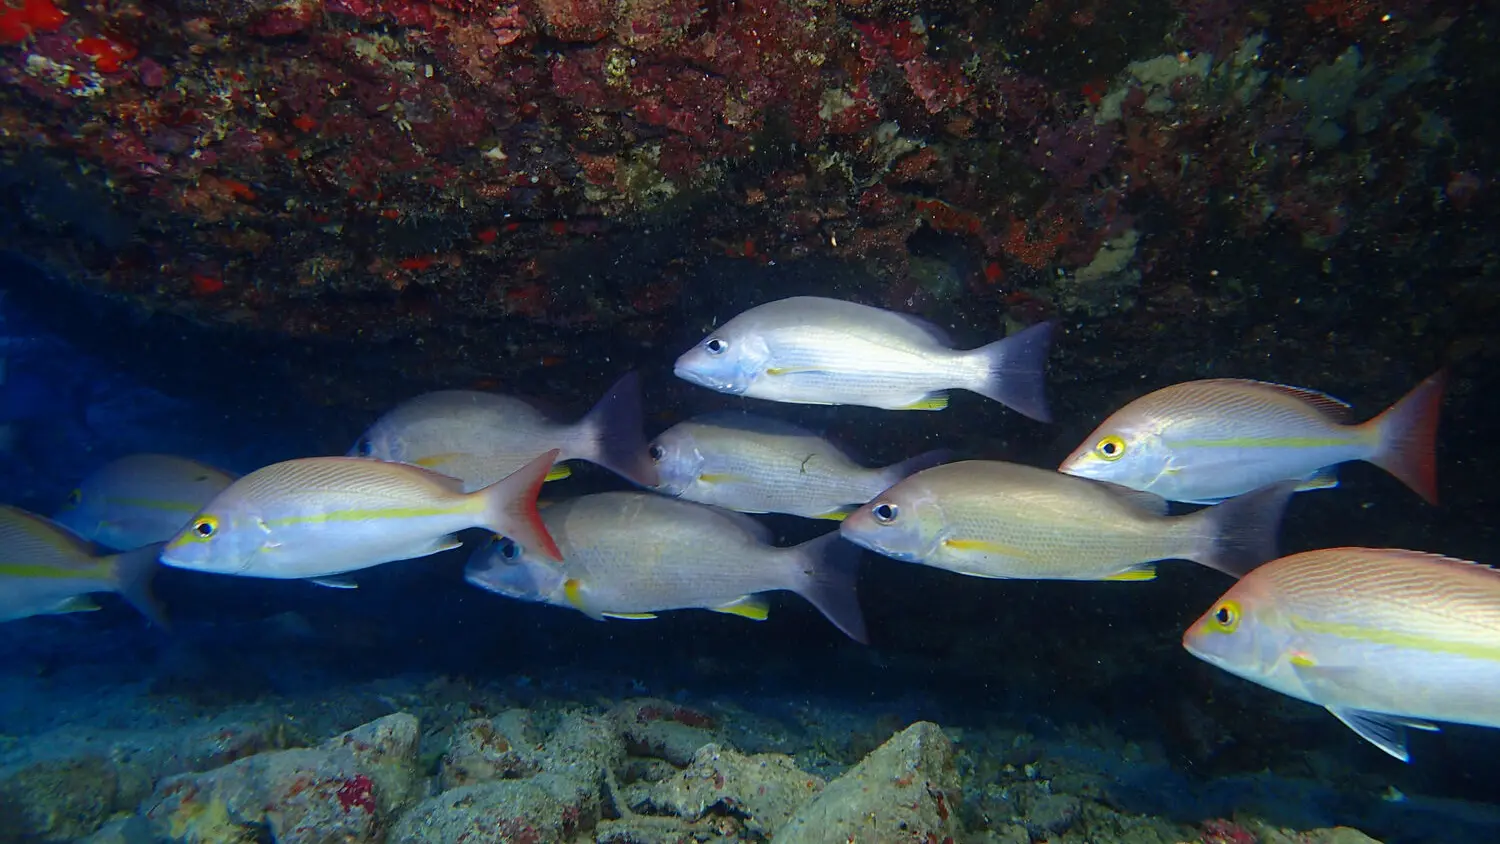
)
(510, 506)
(131, 573)
(827, 572)
(1236, 536)
(1017, 371)
(612, 431)
(897, 472)
(1408, 436)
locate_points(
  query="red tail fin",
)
(511, 506)
(1408, 436)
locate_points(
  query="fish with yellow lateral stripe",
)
(633, 554)
(1204, 441)
(481, 437)
(47, 569)
(141, 499)
(322, 516)
(1005, 520)
(1386, 639)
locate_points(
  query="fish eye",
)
(1110, 448)
(364, 448)
(206, 527)
(507, 548)
(1226, 617)
(657, 453)
(885, 512)
(716, 346)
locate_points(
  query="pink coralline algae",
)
(357, 792)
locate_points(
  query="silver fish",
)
(323, 516)
(480, 438)
(992, 519)
(141, 499)
(1385, 639)
(632, 554)
(1204, 441)
(810, 350)
(46, 568)
(757, 465)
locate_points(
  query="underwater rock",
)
(644, 829)
(762, 790)
(1049, 814)
(57, 799)
(484, 749)
(88, 776)
(386, 750)
(546, 807)
(664, 730)
(906, 790)
(131, 830)
(585, 747)
(339, 791)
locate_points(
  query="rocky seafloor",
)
(117, 733)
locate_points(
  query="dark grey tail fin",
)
(827, 572)
(614, 427)
(1018, 371)
(1239, 534)
(132, 573)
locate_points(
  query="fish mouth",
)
(693, 376)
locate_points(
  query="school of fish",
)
(1387, 640)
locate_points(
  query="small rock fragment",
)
(664, 730)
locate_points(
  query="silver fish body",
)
(47, 569)
(141, 499)
(811, 350)
(1204, 441)
(481, 437)
(322, 516)
(1004, 520)
(629, 555)
(752, 464)
(1385, 639)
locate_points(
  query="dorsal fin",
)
(1336, 409)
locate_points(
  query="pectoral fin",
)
(836, 515)
(1387, 732)
(333, 582)
(720, 478)
(752, 607)
(630, 616)
(790, 370)
(434, 461)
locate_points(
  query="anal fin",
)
(752, 607)
(77, 603)
(1325, 478)
(1142, 572)
(932, 401)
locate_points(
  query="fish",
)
(1204, 441)
(316, 517)
(811, 350)
(634, 554)
(1004, 520)
(481, 437)
(752, 464)
(1384, 638)
(141, 499)
(47, 569)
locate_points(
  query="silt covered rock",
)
(906, 790)
(762, 790)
